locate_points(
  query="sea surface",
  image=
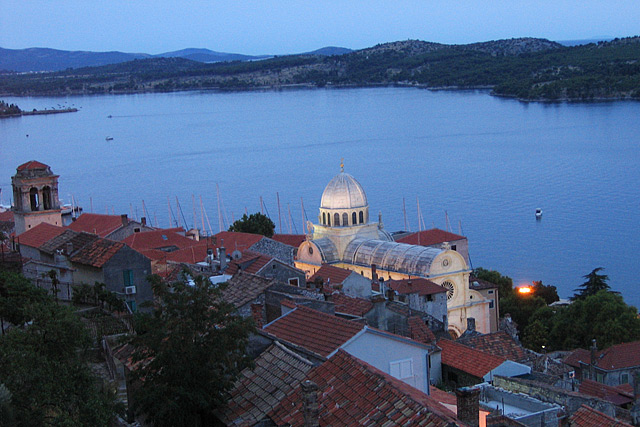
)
(478, 165)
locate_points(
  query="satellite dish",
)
(236, 254)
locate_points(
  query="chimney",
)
(222, 255)
(592, 364)
(256, 313)
(310, 404)
(124, 220)
(471, 324)
(390, 294)
(143, 221)
(374, 272)
(468, 402)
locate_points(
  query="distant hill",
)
(44, 59)
(329, 51)
(584, 41)
(524, 68)
(206, 55)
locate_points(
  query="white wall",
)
(380, 351)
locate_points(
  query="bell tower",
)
(35, 196)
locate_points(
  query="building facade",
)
(345, 237)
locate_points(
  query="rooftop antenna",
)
(279, 217)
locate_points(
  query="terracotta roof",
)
(418, 285)
(32, 164)
(352, 392)
(99, 224)
(288, 303)
(333, 274)
(245, 287)
(589, 417)
(294, 240)
(481, 284)
(498, 344)
(430, 237)
(191, 255)
(627, 388)
(348, 305)
(605, 392)
(61, 241)
(313, 330)
(467, 359)
(419, 331)
(6, 216)
(235, 240)
(276, 373)
(246, 263)
(40, 234)
(157, 239)
(97, 252)
(618, 356)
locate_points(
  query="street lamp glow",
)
(524, 290)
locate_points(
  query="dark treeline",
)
(531, 69)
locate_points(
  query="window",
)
(294, 282)
(599, 377)
(491, 304)
(329, 220)
(336, 220)
(33, 198)
(353, 219)
(345, 219)
(46, 197)
(324, 218)
(401, 369)
(428, 298)
(453, 247)
(624, 379)
(136, 230)
(128, 277)
(490, 292)
(361, 217)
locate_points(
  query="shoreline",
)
(39, 112)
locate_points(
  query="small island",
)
(12, 110)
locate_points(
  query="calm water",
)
(487, 162)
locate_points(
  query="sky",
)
(296, 26)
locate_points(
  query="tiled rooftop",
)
(589, 417)
(290, 239)
(606, 392)
(352, 392)
(419, 331)
(99, 224)
(32, 164)
(480, 284)
(251, 262)
(330, 273)
(61, 241)
(314, 330)
(430, 237)
(349, 305)
(276, 373)
(158, 239)
(498, 344)
(467, 359)
(97, 252)
(416, 285)
(6, 216)
(245, 287)
(40, 234)
(234, 240)
(618, 356)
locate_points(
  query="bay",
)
(486, 162)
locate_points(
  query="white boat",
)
(109, 138)
(538, 213)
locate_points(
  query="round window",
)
(451, 289)
(310, 250)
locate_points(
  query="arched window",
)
(345, 219)
(46, 198)
(33, 196)
(354, 221)
(361, 217)
(336, 220)
(329, 220)
(324, 219)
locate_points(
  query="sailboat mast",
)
(204, 230)
(404, 211)
(279, 215)
(219, 211)
(304, 224)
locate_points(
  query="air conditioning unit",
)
(130, 290)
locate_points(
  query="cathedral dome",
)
(343, 192)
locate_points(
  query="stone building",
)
(345, 237)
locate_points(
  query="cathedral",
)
(345, 237)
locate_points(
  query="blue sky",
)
(286, 26)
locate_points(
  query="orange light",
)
(525, 290)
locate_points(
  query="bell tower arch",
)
(35, 196)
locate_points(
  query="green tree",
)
(256, 223)
(505, 283)
(18, 299)
(547, 292)
(44, 368)
(595, 283)
(190, 347)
